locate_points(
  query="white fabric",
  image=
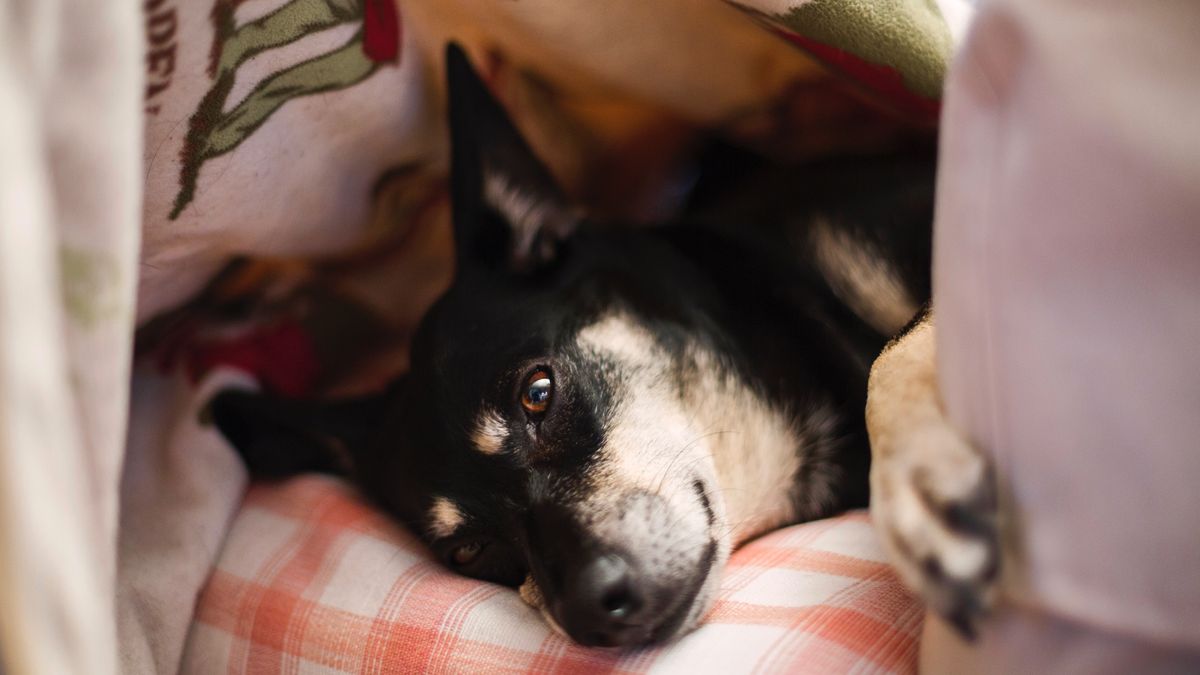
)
(181, 486)
(958, 14)
(1067, 282)
(70, 190)
(300, 183)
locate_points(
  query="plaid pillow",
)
(312, 580)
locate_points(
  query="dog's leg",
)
(932, 492)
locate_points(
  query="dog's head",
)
(558, 428)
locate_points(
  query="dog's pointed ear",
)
(279, 437)
(507, 208)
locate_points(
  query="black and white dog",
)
(598, 416)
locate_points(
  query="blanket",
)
(291, 194)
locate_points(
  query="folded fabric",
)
(313, 580)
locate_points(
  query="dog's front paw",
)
(934, 504)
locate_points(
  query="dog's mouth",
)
(677, 620)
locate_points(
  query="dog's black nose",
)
(603, 605)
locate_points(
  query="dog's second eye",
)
(539, 387)
(466, 554)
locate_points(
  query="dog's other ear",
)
(279, 437)
(507, 207)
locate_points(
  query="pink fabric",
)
(312, 580)
(1067, 287)
(1020, 640)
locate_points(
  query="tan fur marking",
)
(444, 517)
(490, 433)
(863, 281)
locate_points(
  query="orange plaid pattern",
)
(312, 580)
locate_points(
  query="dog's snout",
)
(603, 603)
(618, 573)
(594, 591)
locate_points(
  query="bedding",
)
(307, 135)
(255, 144)
(312, 580)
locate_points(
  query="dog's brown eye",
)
(539, 387)
(466, 554)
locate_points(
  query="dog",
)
(598, 416)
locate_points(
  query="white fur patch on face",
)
(444, 517)
(664, 434)
(860, 278)
(756, 447)
(489, 433)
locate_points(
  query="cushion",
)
(313, 580)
